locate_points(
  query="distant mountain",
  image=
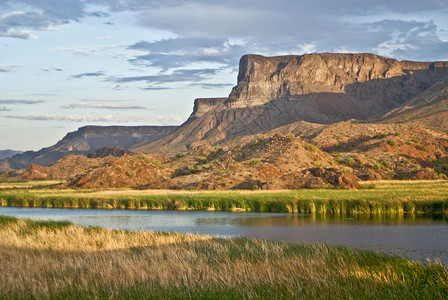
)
(319, 89)
(86, 140)
(8, 153)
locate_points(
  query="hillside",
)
(8, 153)
(86, 140)
(320, 89)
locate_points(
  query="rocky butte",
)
(326, 88)
(86, 140)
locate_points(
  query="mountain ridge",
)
(315, 88)
(84, 141)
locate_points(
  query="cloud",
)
(92, 74)
(164, 120)
(179, 52)
(85, 51)
(283, 27)
(411, 39)
(7, 68)
(212, 85)
(4, 108)
(81, 105)
(155, 88)
(42, 15)
(15, 101)
(18, 34)
(183, 75)
(49, 70)
(78, 118)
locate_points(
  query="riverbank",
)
(427, 197)
(44, 259)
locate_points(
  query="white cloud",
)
(82, 105)
(78, 118)
(18, 34)
(7, 68)
(20, 101)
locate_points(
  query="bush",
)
(392, 143)
(421, 147)
(254, 161)
(384, 164)
(310, 147)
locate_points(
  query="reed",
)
(428, 197)
(61, 261)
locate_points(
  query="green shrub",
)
(130, 174)
(421, 147)
(310, 147)
(392, 143)
(254, 161)
(385, 164)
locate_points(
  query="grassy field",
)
(430, 197)
(45, 259)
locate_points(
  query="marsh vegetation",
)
(45, 259)
(428, 197)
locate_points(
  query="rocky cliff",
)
(375, 81)
(204, 105)
(315, 88)
(86, 140)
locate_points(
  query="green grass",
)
(63, 261)
(428, 197)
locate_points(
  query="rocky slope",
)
(86, 140)
(273, 92)
(268, 163)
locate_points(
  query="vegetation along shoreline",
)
(394, 197)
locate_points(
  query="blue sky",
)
(70, 63)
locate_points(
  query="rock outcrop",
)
(204, 105)
(86, 140)
(316, 88)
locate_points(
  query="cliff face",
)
(315, 88)
(204, 105)
(86, 140)
(379, 83)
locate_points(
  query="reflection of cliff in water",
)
(270, 220)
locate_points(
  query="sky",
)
(65, 64)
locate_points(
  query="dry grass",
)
(58, 260)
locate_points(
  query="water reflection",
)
(412, 236)
(320, 220)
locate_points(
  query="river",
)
(414, 237)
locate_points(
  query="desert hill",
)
(86, 140)
(273, 92)
(265, 163)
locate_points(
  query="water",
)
(414, 237)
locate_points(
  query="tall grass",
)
(429, 197)
(62, 261)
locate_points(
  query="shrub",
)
(392, 143)
(384, 164)
(254, 161)
(130, 174)
(421, 147)
(379, 136)
(397, 133)
(310, 147)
